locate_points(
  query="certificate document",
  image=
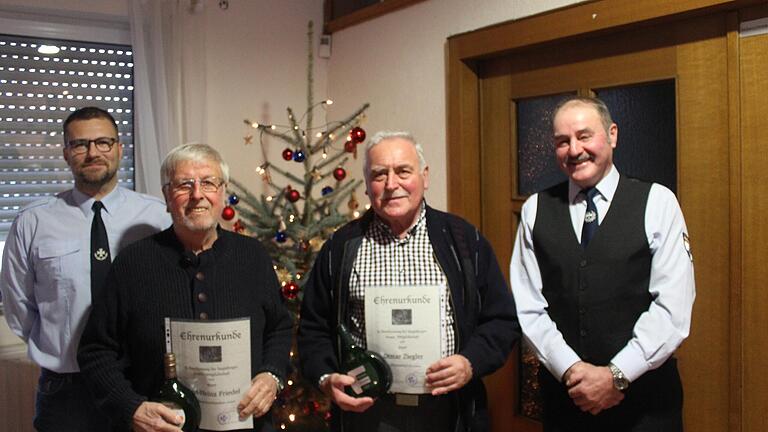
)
(213, 358)
(402, 323)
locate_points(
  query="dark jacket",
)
(485, 320)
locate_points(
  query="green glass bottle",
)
(178, 397)
(373, 374)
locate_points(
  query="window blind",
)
(37, 93)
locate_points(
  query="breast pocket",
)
(55, 261)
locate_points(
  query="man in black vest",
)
(602, 276)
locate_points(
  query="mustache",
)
(394, 195)
(582, 158)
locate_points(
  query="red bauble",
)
(350, 146)
(357, 134)
(339, 173)
(287, 154)
(293, 195)
(228, 213)
(290, 290)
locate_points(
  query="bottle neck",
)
(169, 361)
(170, 372)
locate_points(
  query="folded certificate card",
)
(213, 358)
(402, 323)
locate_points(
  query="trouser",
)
(653, 403)
(406, 413)
(64, 404)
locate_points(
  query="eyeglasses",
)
(80, 146)
(186, 186)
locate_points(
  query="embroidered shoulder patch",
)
(687, 245)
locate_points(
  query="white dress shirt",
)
(46, 276)
(660, 330)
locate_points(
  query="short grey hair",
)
(194, 152)
(597, 104)
(380, 136)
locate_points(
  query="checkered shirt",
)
(384, 259)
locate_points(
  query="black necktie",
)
(590, 217)
(99, 250)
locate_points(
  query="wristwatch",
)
(620, 382)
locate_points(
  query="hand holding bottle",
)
(334, 386)
(258, 400)
(155, 417)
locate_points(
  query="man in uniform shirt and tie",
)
(402, 242)
(602, 276)
(56, 256)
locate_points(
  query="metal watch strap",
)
(620, 380)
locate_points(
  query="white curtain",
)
(168, 38)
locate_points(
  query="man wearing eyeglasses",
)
(49, 275)
(193, 270)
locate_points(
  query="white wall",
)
(397, 63)
(256, 67)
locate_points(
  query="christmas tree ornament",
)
(293, 195)
(283, 275)
(326, 190)
(238, 227)
(287, 154)
(228, 213)
(350, 146)
(233, 199)
(316, 243)
(281, 237)
(299, 156)
(357, 134)
(281, 225)
(248, 139)
(339, 173)
(352, 203)
(290, 290)
(315, 174)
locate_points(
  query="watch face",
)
(620, 383)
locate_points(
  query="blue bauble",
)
(299, 156)
(326, 190)
(281, 237)
(234, 199)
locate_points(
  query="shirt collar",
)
(111, 201)
(607, 187)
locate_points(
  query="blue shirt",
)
(46, 279)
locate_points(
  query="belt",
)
(412, 400)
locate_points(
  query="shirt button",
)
(202, 297)
(199, 276)
(203, 316)
(582, 333)
(582, 311)
(583, 263)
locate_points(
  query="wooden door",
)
(693, 53)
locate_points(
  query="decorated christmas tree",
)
(295, 215)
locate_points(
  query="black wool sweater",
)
(121, 351)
